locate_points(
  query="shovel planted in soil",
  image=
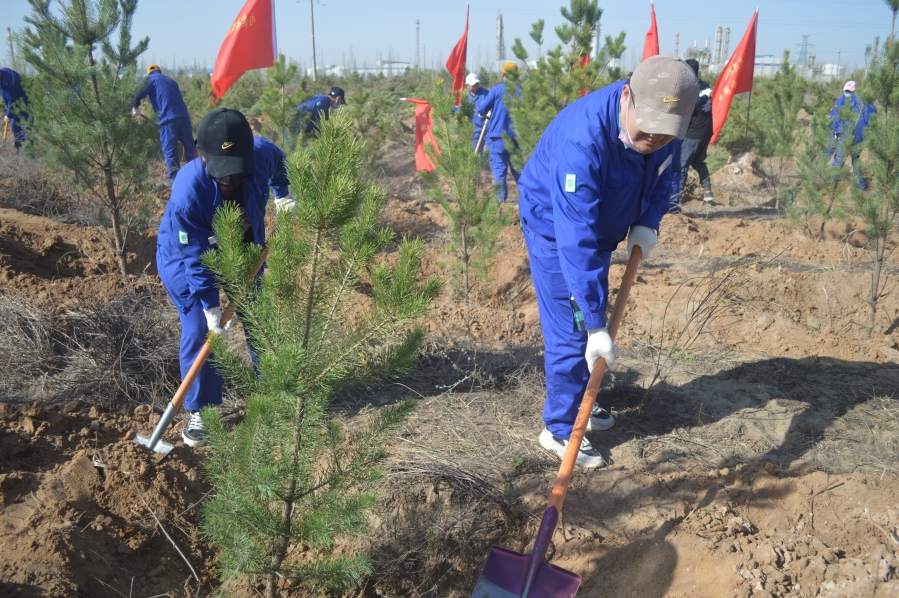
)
(155, 442)
(509, 574)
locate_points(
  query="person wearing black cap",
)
(313, 109)
(233, 166)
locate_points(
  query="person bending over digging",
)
(234, 167)
(600, 172)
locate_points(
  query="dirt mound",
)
(67, 265)
(72, 520)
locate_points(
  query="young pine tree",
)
(879, 205)
(279, 108)
(561, 76)
(819, 195)
(86, 82)
(292, 486)
(476, 217)
(779, 111)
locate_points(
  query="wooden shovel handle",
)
(203, 355)
(477, 148)
(593, 384)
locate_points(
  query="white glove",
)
(599, 344)
(289, 202)
(5, 118)
(134, 112)
(643, 236)
(213, 318)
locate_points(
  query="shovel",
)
(509, 574)
(155, 442)
(480, 143)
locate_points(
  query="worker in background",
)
(15, 116)
(233, 167)
(493, 108)
(317, 107)
(172, 117)
(600, 173)
(855, 124)
(696, 142)
(475, 94)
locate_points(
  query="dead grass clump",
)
(28, 186)
(437, 524)
(865, 437)
(122, 350)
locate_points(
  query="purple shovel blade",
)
(508, 574)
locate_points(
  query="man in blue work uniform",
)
(476, 93)
(601, 172)
(174, 119)
(316, 107)
(12, 91)
(233, 167)
(493, 108)
(861, 114)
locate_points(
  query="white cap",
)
(471, 79)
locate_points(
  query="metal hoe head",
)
(509, 574)
(155, 442)
(161, 446)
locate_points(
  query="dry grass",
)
(122, 350)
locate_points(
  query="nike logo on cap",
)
(228, 144)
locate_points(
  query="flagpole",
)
(746, 133)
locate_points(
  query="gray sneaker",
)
(707, 196)
(588, 457)
(194, 433)
(600, 419)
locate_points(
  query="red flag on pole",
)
(651, 45)
(455, 64)
(423, 134)
(735, 78)
(249, 44)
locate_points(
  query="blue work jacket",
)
(582, 189)
(11, 89)
(862, 112)
(314, 108)
(165, 97)
(495, 103)
(186, 228)
(477, 119)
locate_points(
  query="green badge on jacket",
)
(182, 236)
(570, 183)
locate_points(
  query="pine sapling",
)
(279, 108)
(475, 216)
(85, 87)
(879, 205)
(293, 487)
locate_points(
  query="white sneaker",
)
(194, 432)
(588, 457)
(600, 419)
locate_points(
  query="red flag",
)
(423, 134)
(250, 44)
(455, 64)
(651, 45)
(735, 78)
(585, 61)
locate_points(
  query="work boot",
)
(588, 457)
(194, 434)
(707, 196)
(600, 419)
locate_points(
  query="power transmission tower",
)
(676, 41)
(803, 51)
(417, 56)
(312, 23)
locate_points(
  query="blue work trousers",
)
(838, 163)
(170, 133)
(564, 345)
(500, 165)
(15, 126)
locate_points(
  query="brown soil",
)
(763, 461)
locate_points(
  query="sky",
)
(188, 32)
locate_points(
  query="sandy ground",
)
(755, 454)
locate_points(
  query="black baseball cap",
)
(337, 92)
(226, 140)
